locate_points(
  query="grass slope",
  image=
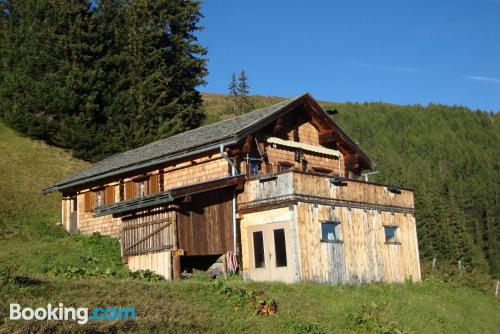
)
(32, 246)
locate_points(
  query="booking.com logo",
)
(81, 315)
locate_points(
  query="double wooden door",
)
(270, 252)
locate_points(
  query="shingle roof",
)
(170, 148)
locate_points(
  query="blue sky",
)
(401, 52)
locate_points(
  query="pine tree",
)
(46, 78)
(100, 77)
(243, 92)
(155, 94)
(233, 93)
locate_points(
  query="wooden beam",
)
(147, 237)
(176, 266)
(247, 145)
(353, 161)
(235, 151)
(327, 136)
(314, 119)
(278, 126)
(163, 220)
(208, 185)
(147, 250)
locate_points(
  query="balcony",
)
(293, 186)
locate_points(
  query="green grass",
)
(32, 246)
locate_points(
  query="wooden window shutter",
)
(92, 199)
(88, 201)
(109, 196)
(121, 191)
(129, 190)
(161, 181)
(153, 184)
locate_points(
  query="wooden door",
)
(271, 257)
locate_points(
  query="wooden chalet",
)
(279, 186)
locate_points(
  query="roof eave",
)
(149, 163)
(343, 134)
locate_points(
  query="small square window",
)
(391, 234)
(330, 231)
(284, 166)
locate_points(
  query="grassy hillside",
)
(39, 263)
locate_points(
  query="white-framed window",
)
(99, 198)
(142, 188)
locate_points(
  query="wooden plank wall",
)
(257, 191)
(65, 212)
(308, 134)
(88, 224)
(159, 262)
(205, 223)
(195, 169)
(356, 191)
(319, 186)
(178, 173)
(363, 256)
(142, 225)
(277, 154)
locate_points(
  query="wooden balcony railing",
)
(313, 187)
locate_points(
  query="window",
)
(330, 231)
(121, 191)
(161, 180)
(391, 234)
(258, 250)
(99, 198)
(254, 167)
(304, 165)
(298, 156)
(280, 247)
(284, 166)
(322, 170)
(141, 188)
(73, 204)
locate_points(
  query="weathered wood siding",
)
(317, 186)
(159, 262)
(147, 240)
(205, 223)
(276, 155)
(148, 231)
(177, 173)
(362, 208)
(88, 224)
(195, 169)
(307, 134)
(363, 255)
(65, 212)
(355, 191)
